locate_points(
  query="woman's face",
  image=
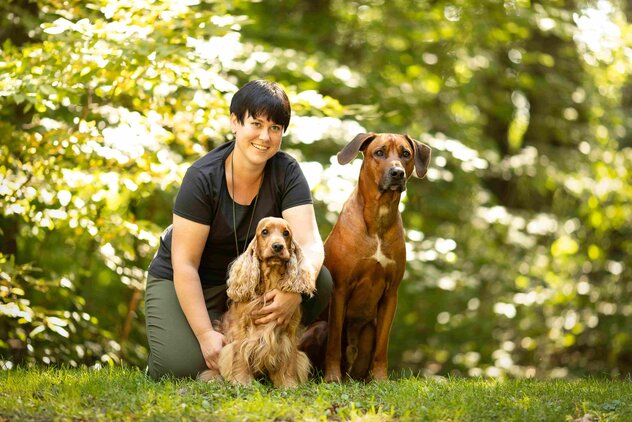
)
(258, 139)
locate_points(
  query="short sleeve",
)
(296, 189)
(195, 200)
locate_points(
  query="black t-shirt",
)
(204, 198)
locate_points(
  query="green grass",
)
(126, 394)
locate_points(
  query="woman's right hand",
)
(211, 343)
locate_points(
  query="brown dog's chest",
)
(375, 255)
(373, 266)
(351, 253)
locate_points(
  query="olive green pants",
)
(173, 348)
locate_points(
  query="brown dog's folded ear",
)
(350, 151)
(422, 156)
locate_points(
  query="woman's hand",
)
(211, 343)
(280, 307)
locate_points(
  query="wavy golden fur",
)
(273, 260)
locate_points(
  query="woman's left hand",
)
(280, 307)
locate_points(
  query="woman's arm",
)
(187, 244)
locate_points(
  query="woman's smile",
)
(260, 147)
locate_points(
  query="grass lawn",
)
(127, 394)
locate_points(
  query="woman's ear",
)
(244, 274)
(234, 121)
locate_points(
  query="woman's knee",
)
(179, 368)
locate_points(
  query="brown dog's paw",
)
(379, 374)
(333, 375)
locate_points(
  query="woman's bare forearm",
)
(191, 298)
(314, 254)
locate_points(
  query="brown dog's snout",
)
(277, 247)
(396, 173)
(393, 179)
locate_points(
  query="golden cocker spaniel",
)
(273, 260)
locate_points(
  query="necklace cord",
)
(232, 175)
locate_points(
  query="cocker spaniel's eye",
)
(265, 232)
(286, 233)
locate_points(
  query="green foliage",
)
(519, 237)
(60, 332)
(120, 393)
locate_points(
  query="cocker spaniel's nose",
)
(277, 247)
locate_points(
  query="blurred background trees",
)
(519, 239)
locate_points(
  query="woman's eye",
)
(406, 154)
(286, 233)
(264, 232)
(276, 128)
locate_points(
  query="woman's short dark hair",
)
(262, 98)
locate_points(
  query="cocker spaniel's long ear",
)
(300, 277)
(244, 274)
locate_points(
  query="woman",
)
(222, 198)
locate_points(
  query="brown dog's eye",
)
(265, 232)
(286, 233)
(379, 153)
(406, 154)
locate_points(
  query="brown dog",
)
(366, 255)
(273, 260)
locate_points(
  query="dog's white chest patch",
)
(379, 256)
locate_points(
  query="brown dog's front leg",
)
(385, 315)
(334, 338)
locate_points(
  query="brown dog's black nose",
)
(396, 172)
(277, 247)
